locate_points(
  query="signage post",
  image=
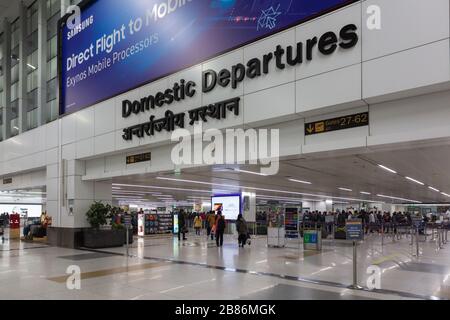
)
(416, 223)
(127, 227)
(354, 232)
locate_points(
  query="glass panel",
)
(32, 119)
(15, 109)
(52, 87)
(14, 127)
(52, 69)
(53, 111)
(52, 48)
(32, 100)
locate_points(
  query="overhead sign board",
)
(339, 123)
(121, 45)
(143, 157)
(7, 181)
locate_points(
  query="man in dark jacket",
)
(181, 225)
(220, 229)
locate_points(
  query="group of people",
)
(215, 225)
(372, 220)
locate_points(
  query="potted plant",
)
(98, 237)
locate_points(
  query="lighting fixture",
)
(251, 172)
(345, 189)
(415, 181)
(364, 192)
(31, 66)
(445, 194)
(259, 189)
(396, 198)
(300, 181)
(387, 169)
(434, 189)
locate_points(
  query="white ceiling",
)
(359, 172)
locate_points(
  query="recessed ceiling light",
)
(387, 169)
(434, 189)
(396, 198)
(251, 172)
(445, 194)
(364, 192)
(415, 181)
(257, 189)
(300, 181)
(345, 189)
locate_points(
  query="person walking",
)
(242, 229)
(182, 225)
(198, 225)
(220, 229)
(210, 222)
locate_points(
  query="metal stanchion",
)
(128, 240)
(355, 268)
(382, 234)
(417, 242)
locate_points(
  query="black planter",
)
(96, 239)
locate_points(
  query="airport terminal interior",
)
(339, 184)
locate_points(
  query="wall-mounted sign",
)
(340, 123)
(143, 157)
(7, 181)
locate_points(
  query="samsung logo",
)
(80, 27)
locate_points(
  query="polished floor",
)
(164, 268)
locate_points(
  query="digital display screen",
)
(118, 45)
(28, 210)
(230, 206)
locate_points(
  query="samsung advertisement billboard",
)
(121, 45)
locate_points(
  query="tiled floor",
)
(163, 268)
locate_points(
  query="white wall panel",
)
(85, 120)
(405, 24)
(338, 87)
(407, 70)
(277, 102)
(105, 117)
(105, 143)
(69, 129)
(85, 148)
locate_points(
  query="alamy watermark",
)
(73, 282)
(229, 147)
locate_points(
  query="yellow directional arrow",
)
(310, 129)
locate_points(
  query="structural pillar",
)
(23, 74)
(42, 60)
(6, 67)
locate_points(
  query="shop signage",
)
(340, 123)
(143, 157)
(7, 181)
(119, 45)
(354, 230)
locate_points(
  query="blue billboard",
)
(121, 45)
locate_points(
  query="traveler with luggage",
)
(242, 229)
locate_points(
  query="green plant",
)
(98, 214)
(116, 226)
